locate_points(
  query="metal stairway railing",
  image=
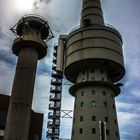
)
(55, 101)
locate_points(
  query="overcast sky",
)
(63, 16)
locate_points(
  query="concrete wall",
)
(102, 44)
(94, 101)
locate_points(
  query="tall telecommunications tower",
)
(93, 61)
(29, 46)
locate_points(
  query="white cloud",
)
(122, 105)
(41, 93)
(65, 128)
(6, 78)
(126, 118)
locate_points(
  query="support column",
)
(18, 119)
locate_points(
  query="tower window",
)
(74, 120)
(113, 106)
(72, 132)
(81, 118)
(105, 104)
(93, 118)
(82, 93)
(93, 92)
(83, 72)
(93, 131)
(81, 131)
(117, 134)
(115, 121)
(82, 103)
(92, 70)
(102, 71)
(87, 22)
(104, 92)
(93, 103)
(107, 132)
(106, 119)
(75, 106)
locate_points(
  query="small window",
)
(93, 118)
(117, 134)
(105, 104)
(106, 119)
(74, 120)
(82, 93)
(102, 71)
(107, 132)
(83, 72)
(82, 103)
(93, 131)
(81, 131)
(75, 106)
(93, 103)
(104, 92)
(92, 70)
(93, 91)
(115, 121)
(113, 106)
(81, 118)
(72, 132)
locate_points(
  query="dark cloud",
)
(7, 57)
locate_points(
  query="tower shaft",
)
(18, 119)
(94, 104)
(91, 13)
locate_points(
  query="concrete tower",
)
(94, 63)
(29, 46)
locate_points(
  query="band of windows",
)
(93, 131)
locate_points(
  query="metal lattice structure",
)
(67, 114)
(26, 22)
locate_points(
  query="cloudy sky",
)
(63, 16)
